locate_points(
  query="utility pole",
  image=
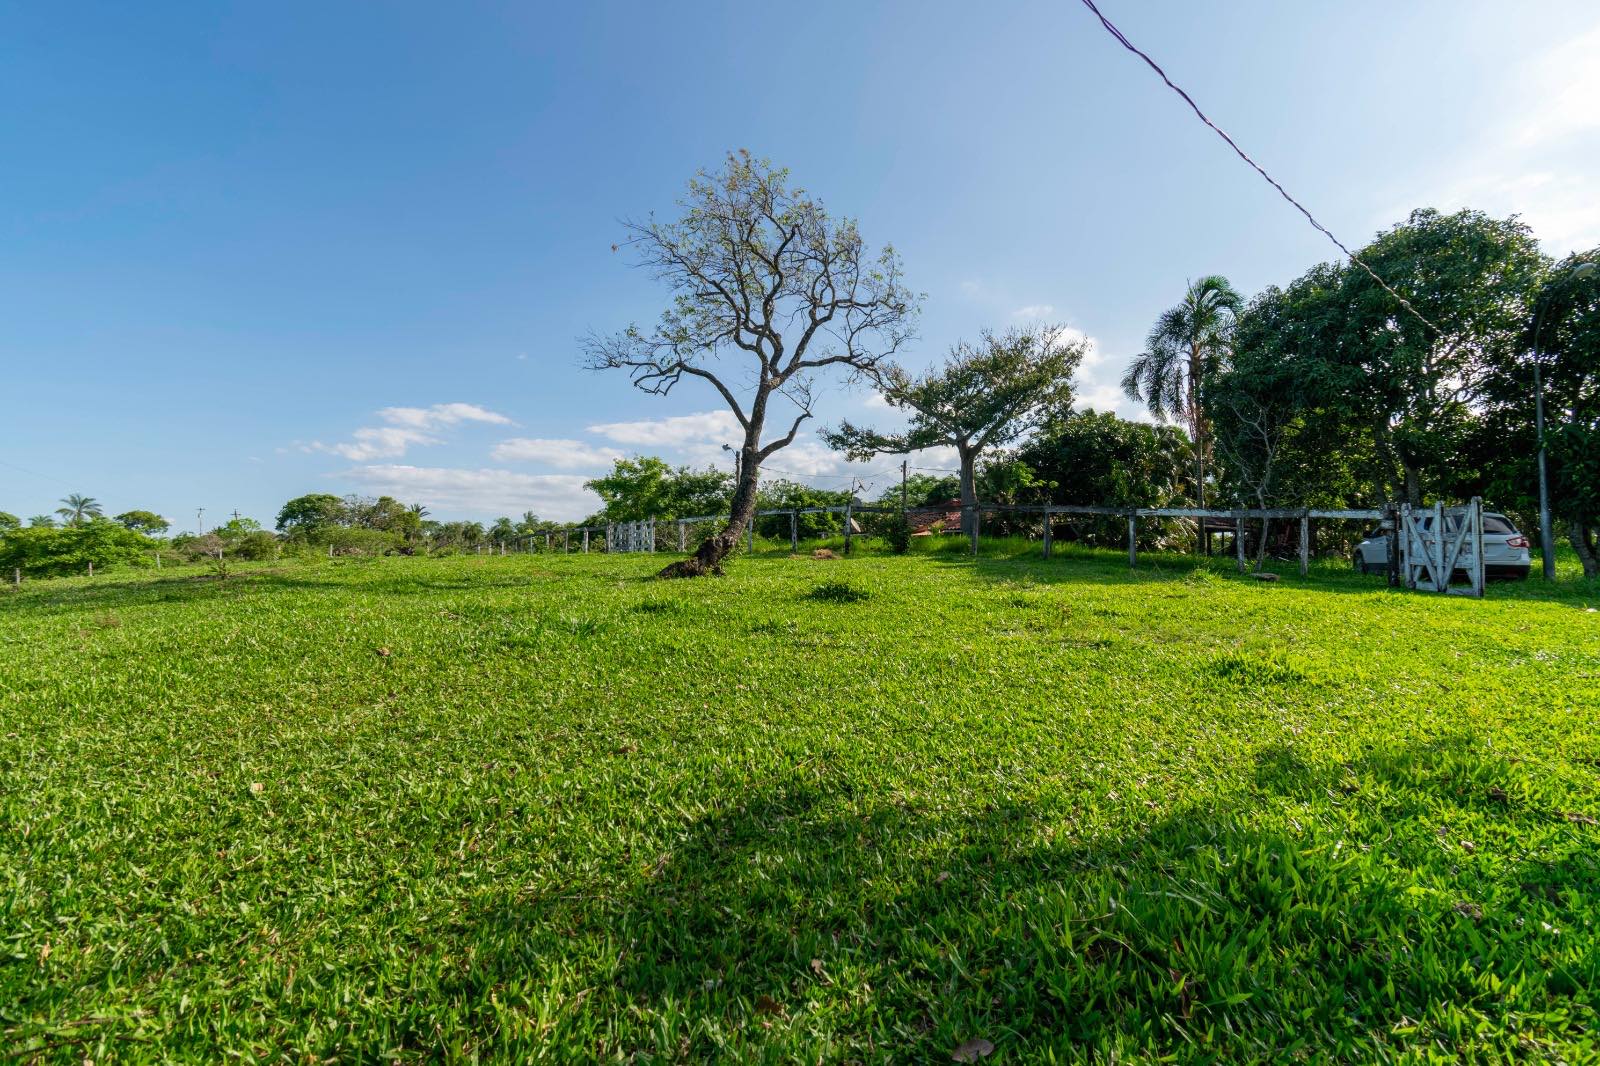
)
(236, 514)
(199, 521)
(902, 488)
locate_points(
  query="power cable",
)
(1153, 65)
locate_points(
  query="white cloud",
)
(1033, 312)
(407, 426)
(375, 442)
(562, 454)
(807, 457)
(716, 427)
(441, 414)
(483, 492)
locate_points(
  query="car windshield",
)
(1493, 523)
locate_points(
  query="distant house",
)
(946, 515)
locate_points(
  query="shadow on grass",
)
(1091, 564)
(810, 917)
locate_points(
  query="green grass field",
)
(507, 809)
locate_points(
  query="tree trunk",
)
(1583, 542)
(969, 488)
(707, 558)
(1413, 485)
(1261, 549)
(1197, 434)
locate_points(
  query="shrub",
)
(897, 534)
(42, 551)
(353, 540)
(837, 592)
(256, 545)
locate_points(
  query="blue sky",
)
(249, 251)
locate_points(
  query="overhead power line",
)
(1240, 152)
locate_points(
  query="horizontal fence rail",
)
(641, 536)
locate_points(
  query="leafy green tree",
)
(503, 531)
(236, 529)
(1374, 386)
(458, 535)
(146, 522)
(770, 294)
(1094, 458)
(924, 490)
(384, 513)
(311, 516)
(1473, 278)
(784, 494)
(647, 487)
(1287, 358)
(41, 521)
(46, 551)
(255, 544)
(76, 509)
(9, 521)
(983, 396)
(1187, 342)
(1563, 334)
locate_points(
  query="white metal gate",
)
(631, 536)
(1437, 541)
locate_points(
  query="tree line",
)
(1325, 392)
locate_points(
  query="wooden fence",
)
(641, 536)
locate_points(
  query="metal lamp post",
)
(1546, 535)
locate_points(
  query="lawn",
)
(872, 809)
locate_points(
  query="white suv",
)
(1505, 551)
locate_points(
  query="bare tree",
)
(982, 396)
(1250, 431)
(768, 293)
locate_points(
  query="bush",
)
(42, 551)
(256, 545)
(196, 549)
(897, 534)
(837, 592)
(353, 540)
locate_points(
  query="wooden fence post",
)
(586, 540)
(91, 569)
(977, 517)
(1305, 543)
(794, 530)
(1133, 539)
(1393, 566)
(1238, 540)
(16, 576)
(683, 536)
(1047, 531)
(1480, 572)
(750, 542)
(847, 529)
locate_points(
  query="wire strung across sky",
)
(1153, 65)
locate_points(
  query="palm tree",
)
(420, 511)
(1187, 342)
(79, 509)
